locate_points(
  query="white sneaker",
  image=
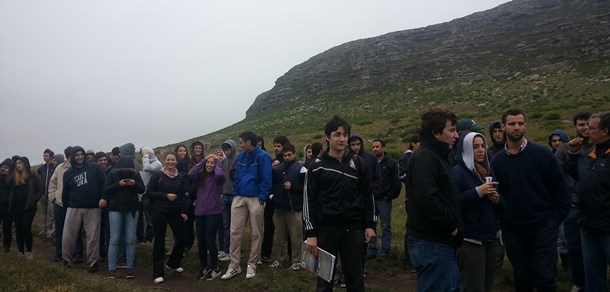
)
(159, 280)
(231, 272)
(296, 266)
(177, 270)
(224, 258)
(222, 254)
(251, 272)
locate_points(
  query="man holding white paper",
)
(338, 210)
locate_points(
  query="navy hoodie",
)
(83, 183)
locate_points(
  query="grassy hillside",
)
(550, 58)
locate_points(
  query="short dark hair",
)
(67, 152)
(604, 120)
(581, 116)
(248, 136)
(511, 112)
(49, 151)
(414, 139)
(334, 124)
(99, 155)
(288, 147)
(380, 141)
(281, 139)
(316, 148)
(433, 121)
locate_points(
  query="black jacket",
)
(433, 207)
(123, 198)
(35, 191)
(337, 195)
(390, 185)
(160, 185)
(292, 199)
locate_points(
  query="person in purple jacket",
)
(210, 179)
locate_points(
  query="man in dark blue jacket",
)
(389, 189)
(592, 171)
(537, 199)
(82, 196)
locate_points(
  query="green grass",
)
(18, 274)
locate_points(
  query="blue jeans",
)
(117, 221)
(227, 200)
(383, 210)
(571, 231)
(206, 239)
(596, 256)
(435, 264)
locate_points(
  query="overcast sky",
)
(103, 73)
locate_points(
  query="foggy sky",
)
(103, 73)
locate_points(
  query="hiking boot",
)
(94, 268)
(231, 272)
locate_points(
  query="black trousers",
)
(7, 223)
(347, 245)
(267, 244)
(23, 229)
(160, 222)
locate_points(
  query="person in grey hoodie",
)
(229, 149)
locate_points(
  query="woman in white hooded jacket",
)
(150, 165)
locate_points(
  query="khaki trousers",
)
(242, 209)
(289, 223)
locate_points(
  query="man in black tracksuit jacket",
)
(338, 208)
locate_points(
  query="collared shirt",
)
(523, 145)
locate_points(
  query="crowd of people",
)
(469, 201)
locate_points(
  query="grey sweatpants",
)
(90, 219)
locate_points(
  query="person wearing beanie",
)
(6, 168)
(90, 155)
(58, 158)
(128, 150)
(121, 191)
(27, 189)
(498, 138)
